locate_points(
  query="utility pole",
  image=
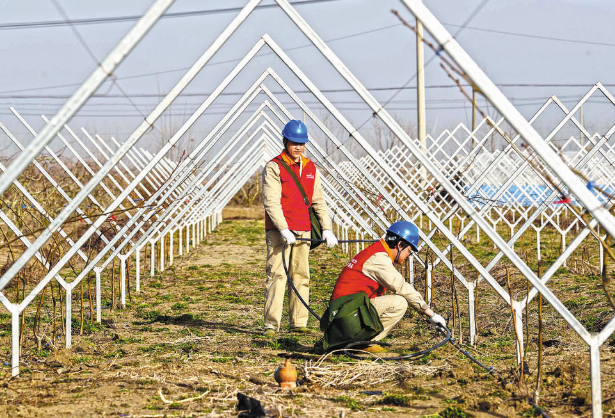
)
(420, 95)
(473, 117)
(582, 136)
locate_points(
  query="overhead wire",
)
(85, 45)
(427, 63)
(132, 18)
(233, 60)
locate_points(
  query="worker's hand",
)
(288, 236)
(437, 320)
(328, 236)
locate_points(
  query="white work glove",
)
(437, 320)
(328, 236)
(288, 236)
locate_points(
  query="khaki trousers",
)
(275, 286)
(391, 309)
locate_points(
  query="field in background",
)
(194, 335)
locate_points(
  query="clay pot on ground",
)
(286, 375)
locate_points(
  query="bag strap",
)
(294, 176)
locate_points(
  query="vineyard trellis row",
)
(454, 180)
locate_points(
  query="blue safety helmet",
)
(296, 131)
(407, 231)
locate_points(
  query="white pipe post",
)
(187, 238)
(122, 279)
(161, 243)
(97, 270)
(471, 310)
(180, 242)
(15, 341)
(151, 258)
(518, 310)
(596, 384)
(428, 284)
(69, 315)
(171, 247)
(138, 269)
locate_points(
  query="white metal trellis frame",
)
(68, 110)
(598, 212)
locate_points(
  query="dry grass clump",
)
(362, 373)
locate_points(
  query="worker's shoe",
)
(269, 333)
(303, 330)
(376, 348)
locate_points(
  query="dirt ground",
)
(191, 340)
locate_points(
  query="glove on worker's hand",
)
(437, 320)
(328, 236)
(288, 236)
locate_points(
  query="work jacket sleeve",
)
(319, 204)
(380, 268)
(272, 195)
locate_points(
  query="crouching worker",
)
(359, 309)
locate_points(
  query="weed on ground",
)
(193, 338)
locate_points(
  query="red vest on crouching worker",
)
(352, 280)
(293, 206)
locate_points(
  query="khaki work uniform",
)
(299, 270)
(391, 308)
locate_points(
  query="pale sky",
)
(565, 43)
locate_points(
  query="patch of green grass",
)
(531, 412)
(179, 306)
(289, 343)
(454, 412)
(81, 359)
(396, 399)
(189, 347)
(348, 403)
(222, 359)
(155, 348)
(193, 267)
(151, 315)
(128, 340)
(119, 353)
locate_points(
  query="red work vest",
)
(294, 208)
(352, 280)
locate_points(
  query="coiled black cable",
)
(352, 353)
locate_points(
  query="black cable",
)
(525, 35)
(348, 349)
(130, 18)
(349, 346)
(290, 280)
(400, 357)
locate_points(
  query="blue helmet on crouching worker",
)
(407, 231)
(296, 131)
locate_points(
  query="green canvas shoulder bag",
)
(349, 319)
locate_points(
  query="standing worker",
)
(286, 219)
(359, 309)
